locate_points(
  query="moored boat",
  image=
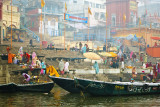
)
(39, 87)
(11, 87)
(100, 88)
(67, 84)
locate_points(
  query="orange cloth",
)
(10, 56)
(52, 71)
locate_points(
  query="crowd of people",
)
(23, 59)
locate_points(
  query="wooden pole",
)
(138, 41)
(41, 31)
(64, 30)
(88, 28)
(106, 32)
(11, 23)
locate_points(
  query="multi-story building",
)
(6, 17)
(1, 22)
(149, 13)
(121, 13)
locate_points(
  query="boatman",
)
(51, 71)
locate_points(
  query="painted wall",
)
(7, 15)
(119, 8)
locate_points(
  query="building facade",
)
(1, 22)
(121, 13)
(6, 11)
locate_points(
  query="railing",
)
(31, 33)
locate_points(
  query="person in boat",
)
(19, 59)
(25, 58)
(61, 67)
(96, 67)
(20, 51)
(34, 58)
(10, 57)
(66, 67)
(50, 70)
(38, 63)
(43, 67)
(134, 73)
(26, 78)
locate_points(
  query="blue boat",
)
(67, 84)
(100, 88)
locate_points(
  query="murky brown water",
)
(59, 97)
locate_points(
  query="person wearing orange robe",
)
(51, 71)
(10, 57)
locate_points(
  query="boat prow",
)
(67, 84)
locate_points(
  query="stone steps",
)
(2, 80)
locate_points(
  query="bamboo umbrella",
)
(92, 56)
(105, 54)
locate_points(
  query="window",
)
(97, 5)
(96, 16)
(113, 21)
(86, 2)
(74, 1)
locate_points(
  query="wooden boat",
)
(11, 87)
(100, 88)
(67, 84)
(40, 87)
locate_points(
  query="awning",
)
(155, 38)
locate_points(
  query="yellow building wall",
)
(7, 15)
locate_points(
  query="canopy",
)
(155, 38)
(91, 55)
(113, 54)
(106, 54)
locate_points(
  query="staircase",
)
(4, 74)
(36, 37)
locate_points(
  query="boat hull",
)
(8, 87)
(44, 87)
(100, 88)
(66, 83)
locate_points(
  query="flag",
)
(42, 3)
(65, 6)
(124, 17)
(139, 21)
(89, 11)
(150, 25)
(106, 14)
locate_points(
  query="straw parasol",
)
(92, 56)
(113, 54)
(105, 54)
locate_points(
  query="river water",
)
(60, 98)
